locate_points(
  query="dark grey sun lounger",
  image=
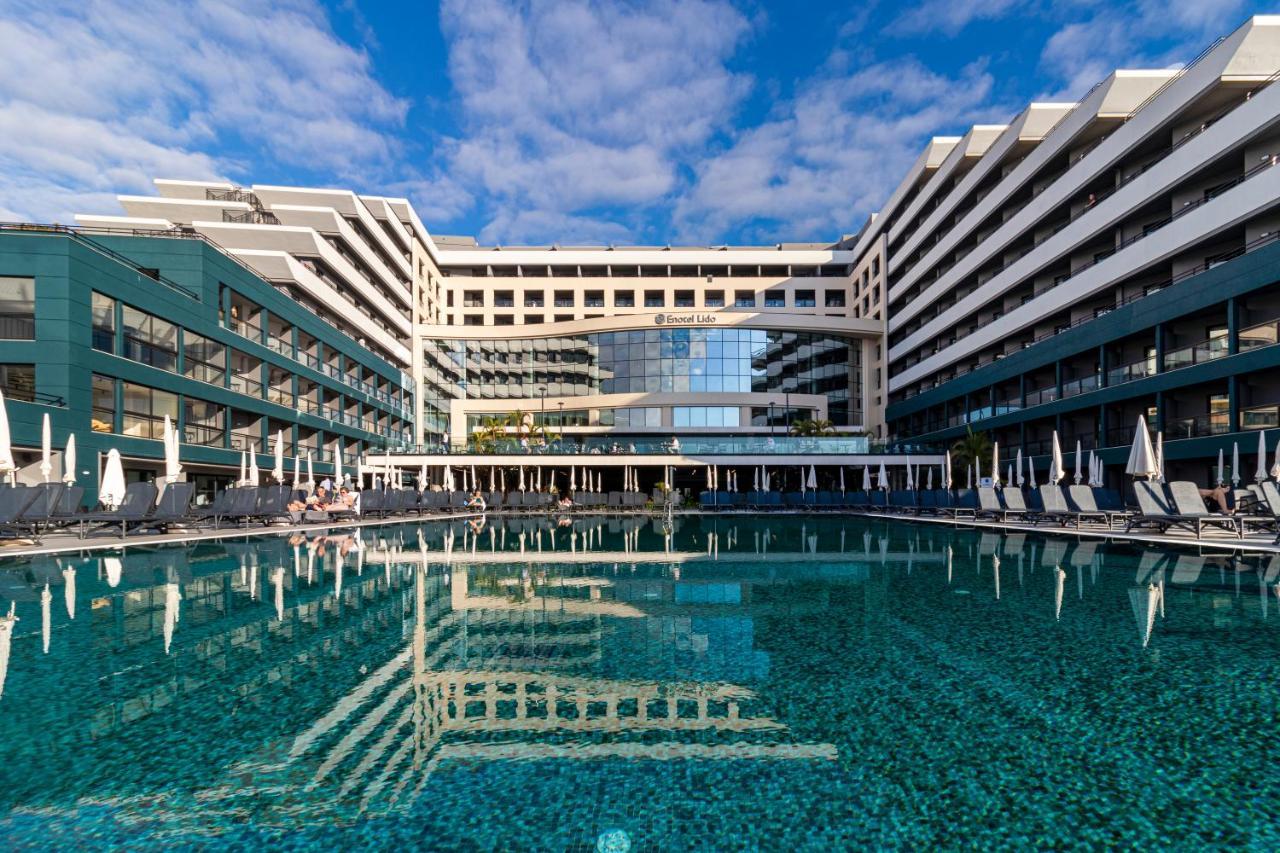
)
(135, 508)
(989, 505)
(1177, 509)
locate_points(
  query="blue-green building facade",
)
(108, 334)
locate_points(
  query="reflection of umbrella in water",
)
(995, 570)
(6, 637)
(69, 590)
(1059, 583)
(114, 569)
(277, 580)
(949, 559)
(172, 612)
(46, 601)
(1144, 601)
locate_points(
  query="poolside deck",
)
(67, 542)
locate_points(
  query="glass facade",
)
(668, 360)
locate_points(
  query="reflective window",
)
(706, 416)
(652, 361)
(149, 339)
(204, 423)
(203, 359)
(144, 411)
(103, 414)
(104, 323)
(19, 381)
(17, 308)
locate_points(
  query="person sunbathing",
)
(312, 501)
(1218, 494)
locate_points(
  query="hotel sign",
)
(684, 319)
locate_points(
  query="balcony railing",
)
(1083, 385)
(282, 397)
(1131, 372)
(1041, 395)
(1199, 353)
(1213, 423)
(1260, 417)
(203, 435)
(244, 385)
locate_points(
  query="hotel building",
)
(1086, 263)
(1092, 262)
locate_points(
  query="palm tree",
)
(973, 449)
(486, 437)
(821, 426)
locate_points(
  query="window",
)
(246, 373)
(203, 423)
(775, 299)
(744, 299)
(624, 299)
(533, 299)
(19, 381)
(144, 411)
(104, 323)
(713, 299)
(203, 359)
(646, 416)
(834, 298)
(805, 299)
(246, 430)
(654, 299)
(149, 339)
(473, 299)
(705, 416)
(17, 308)
(684, 298)
(103, 415)
(563, 299)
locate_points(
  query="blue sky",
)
(679, 121)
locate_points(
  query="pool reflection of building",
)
(437, 659)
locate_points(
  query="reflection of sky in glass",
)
(710, 684)
(649, 361)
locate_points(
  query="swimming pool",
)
(721, 682)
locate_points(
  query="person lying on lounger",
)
(1218, 494)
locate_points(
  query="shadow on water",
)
(605, 682)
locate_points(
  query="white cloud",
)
(1145, 34)
(100, 97)
(950, 16)
(570, 106)
(833, 153)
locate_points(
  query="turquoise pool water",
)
(810, 683)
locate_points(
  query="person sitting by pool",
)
(476, 501)
(566, 502)
(312, 502)
(344, 502)
(1219, 495)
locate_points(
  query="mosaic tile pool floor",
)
(614, 684)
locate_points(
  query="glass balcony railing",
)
(1213, 423)
(1199, 353)
(1260, 417)
(243, 385)
(1083, 385)
(1041, 395)
(1131, 372)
